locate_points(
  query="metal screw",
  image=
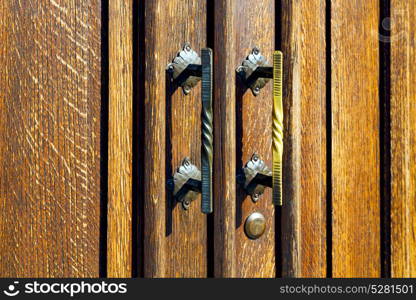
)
(188, 47)
(255, 197)
(186, 89)
(255, 157)
(186, 162)
(256, 90)
(256, 51)
(186, 204)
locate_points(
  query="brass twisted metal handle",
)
(277, 128)
(207, 128)
(255, 73)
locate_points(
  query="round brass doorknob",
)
(255, 225)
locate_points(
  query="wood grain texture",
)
(403, 139)
(119, 232)
(254, 258)
(175, 240)
(154, 153)
(224, 168)
(355, 139)
(313, 140)
(50, 138)
(290, 221)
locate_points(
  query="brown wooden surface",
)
(403, 139)
(313, 145)
(254, 258)
(154, 153)
(290, 220)
(119, 234)
(355, 139)
(224, 106)
(304, 237)
(50, 138)
(175, 240)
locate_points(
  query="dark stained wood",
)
(238, 29)
(403, 139)
(307, 48)
(50, 138)
(175, 240)
(355, 139)
(155, 136)
(119, 233)
(290, 221)
(254, 258)
(224, 168)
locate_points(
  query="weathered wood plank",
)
(175, 239)
(403, 139)
(50, 138)
(290, 220)
(355, 139)
(313, 139)
(313, 134)
(254, 258)
(224, 168)
(154, 153)
(119, 233)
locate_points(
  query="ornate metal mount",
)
(256, 176)
(185, 69)
(186, 184)
(255, 71)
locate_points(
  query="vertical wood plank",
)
(312, 97)
(313, 145)
(290, 221)
(175, 239)
(119, 233)
(50, 138)
(155, 135)
(224, 169)
(355, 139)
(303, 226)
(254, 258)
(403, 139)
(186, 231)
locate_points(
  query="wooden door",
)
(92, 131)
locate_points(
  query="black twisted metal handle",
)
(207, 128)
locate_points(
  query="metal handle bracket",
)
(255, 71)
(186, 69)
(257, 175)
(186, 183)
